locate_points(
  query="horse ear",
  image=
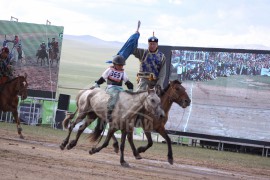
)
(158, 90)
(176, 81)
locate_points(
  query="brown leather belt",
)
(146, 75)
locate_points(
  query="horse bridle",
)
(21, 90)
(171, 97)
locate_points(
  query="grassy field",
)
(181, 153)
(81, 64)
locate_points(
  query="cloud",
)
(177, 2)
(175, 22)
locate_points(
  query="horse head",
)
(177, 93)
(152, 104)
(22, 86)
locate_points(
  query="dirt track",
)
(36, 158)
(41, 158)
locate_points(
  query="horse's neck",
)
(166, 102)
(2, 87)
(9, 87)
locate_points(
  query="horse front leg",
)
(131, 143)
(122, 148)
(164, 134)
(17, 119)
(115, 144)
(105, 143)
(149, 142)
(79, 118)
(47, 58)
(66, 140)
(80, 131)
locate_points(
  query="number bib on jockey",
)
(115, 77)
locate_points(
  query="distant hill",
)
(98, 42)
(116, 44)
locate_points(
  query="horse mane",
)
(10, 81)
(133, 93)
(165, 90)
(168, 86)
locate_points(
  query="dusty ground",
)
(37, 158)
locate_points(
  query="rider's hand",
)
(94, 86)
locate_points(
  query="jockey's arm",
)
(138, 53)
(100, 81)
(129, 85)
(127, 82)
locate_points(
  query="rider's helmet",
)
(119, 60)
(43, 42)
(153, 38)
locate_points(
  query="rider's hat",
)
(119, 60)
(153, 38)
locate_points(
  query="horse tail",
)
(98, 131)
(69, 116)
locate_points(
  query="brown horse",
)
(42, 54)
(176, 93)
(53, 56)
(9, 99)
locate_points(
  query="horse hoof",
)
(116, 150)
(92, 151)
(140, 150)
(62, 147)
(138, 157)
(125, 164)
(170, 161)
(69, 147)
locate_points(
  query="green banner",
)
(48, 111)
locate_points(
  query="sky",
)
(196, 23)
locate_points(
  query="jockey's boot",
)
(109, 115)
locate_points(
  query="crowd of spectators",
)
(201, 65)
